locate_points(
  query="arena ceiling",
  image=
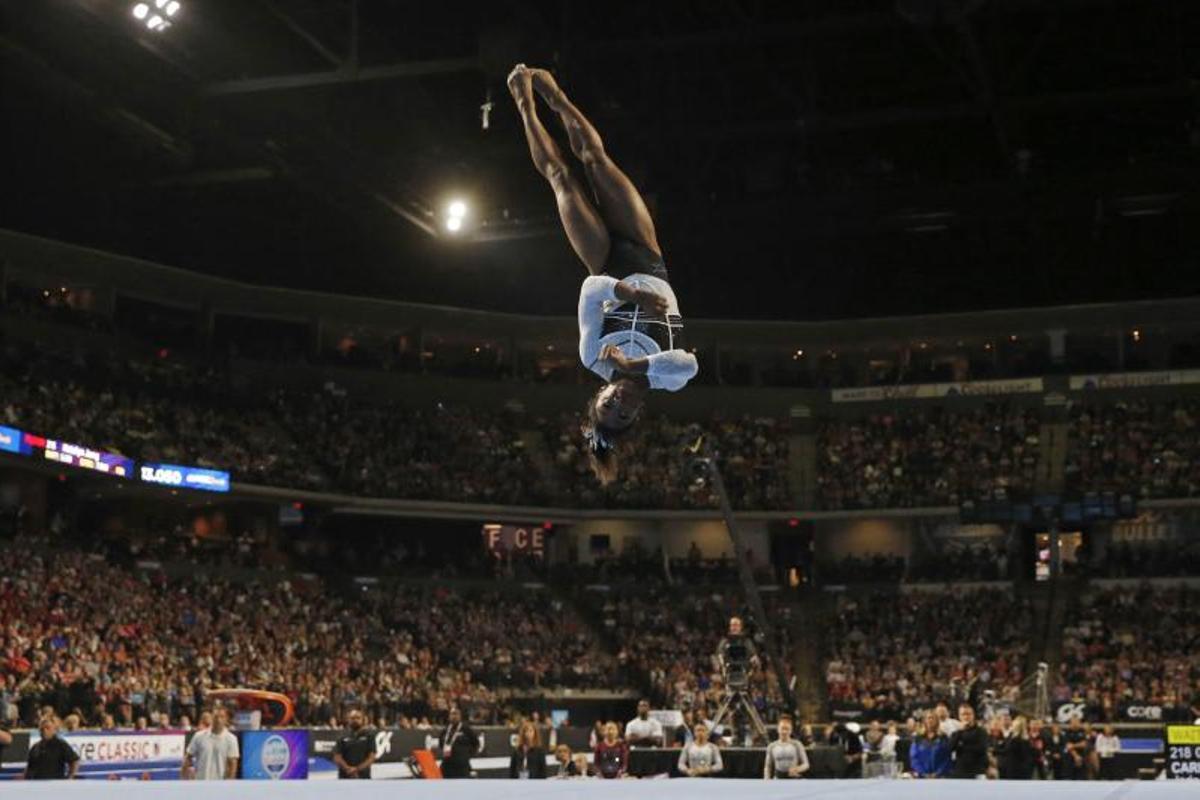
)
(807, 159)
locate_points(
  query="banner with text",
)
(933, 391)
(515, 539)
(1136, 380)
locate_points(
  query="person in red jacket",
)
(611, 758)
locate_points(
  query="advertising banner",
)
(1135, 380)
(133, 755)
(275, 755)
(507, 538)
(205, 480)
(1183, 752)
(10, 441)
(933, 391)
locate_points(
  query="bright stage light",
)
(454, 224)
(457, 209)
(156, 15)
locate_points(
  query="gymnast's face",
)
(617, 405)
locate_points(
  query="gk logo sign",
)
(1068, 711)
(383, 743)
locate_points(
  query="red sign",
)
(504, 539)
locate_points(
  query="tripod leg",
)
(760, 728)
(722, 712)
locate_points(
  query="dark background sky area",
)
(805, 160)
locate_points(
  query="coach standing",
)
(213, 754)
(354, 753)
(458, 743)
(51, 758)
(969, 746)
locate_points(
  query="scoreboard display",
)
(10, 440)
(27, 444)
(1183, 752)
(75, 455)
(208, 480)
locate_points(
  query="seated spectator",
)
(890, 653)
(932, 457)
(1146, 446)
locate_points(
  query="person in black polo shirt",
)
(51, 758)
(458, 743)
(1075, 751)
(969, 746)
(6, 738)
(354, 753)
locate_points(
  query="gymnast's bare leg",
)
(621, 204)
(585, 228)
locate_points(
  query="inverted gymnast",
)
(629, 324)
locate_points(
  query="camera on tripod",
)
(736, 664)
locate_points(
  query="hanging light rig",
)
(156, 15)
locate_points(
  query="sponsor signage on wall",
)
(933, 391)
(507, 538)
(1135, 380)
(275, 755)
(1183, 752)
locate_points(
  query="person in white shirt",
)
(642, 730)
(213, 754)
(947, 724)
(701, 757)
(629, 322)
(1108, 744)
(786, 757)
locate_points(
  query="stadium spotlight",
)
(156, 18)
(456, 212)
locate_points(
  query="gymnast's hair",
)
(603, 444)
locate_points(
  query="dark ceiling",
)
(807, 159)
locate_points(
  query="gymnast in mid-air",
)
(629, 324)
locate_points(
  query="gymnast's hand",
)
(613, 354)
(649, 301)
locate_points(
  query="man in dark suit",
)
(458, 743)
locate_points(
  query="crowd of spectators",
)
(890, 652)
(659, 470)
(669, 637)
(1164, 559)
(162, 408)
(1132, 647)
(1151, 448)
(932, 457)
(388, 449)
(124, 648)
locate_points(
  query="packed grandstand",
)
(121, 611)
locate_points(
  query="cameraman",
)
(736, 656)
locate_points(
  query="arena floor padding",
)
(694, 789)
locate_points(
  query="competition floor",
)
(649, 789)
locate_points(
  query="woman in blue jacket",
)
(930, 751)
